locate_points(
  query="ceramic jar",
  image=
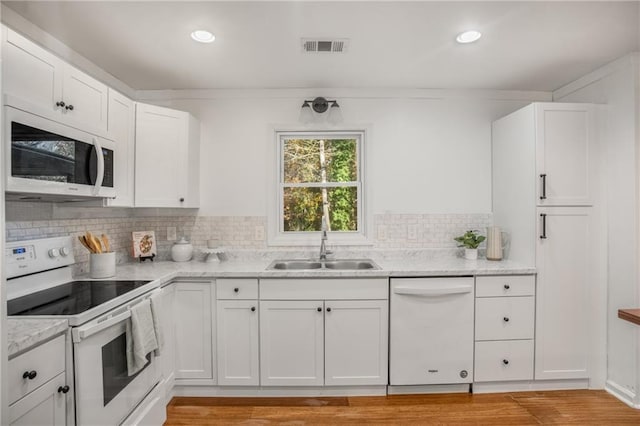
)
(181, 251)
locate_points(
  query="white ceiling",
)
(525, 45)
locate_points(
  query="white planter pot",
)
(470, 254)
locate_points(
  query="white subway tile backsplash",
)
(390, 231)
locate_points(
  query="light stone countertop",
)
(23, 334)
(410, 264)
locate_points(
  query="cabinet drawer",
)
(321, 288)
(47, 361)
(505, 318)
(237, 288)
(506, 285)
(505, 360)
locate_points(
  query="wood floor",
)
(523, 408)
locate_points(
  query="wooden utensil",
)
(84, 243)
(105, 241)
(93, 242)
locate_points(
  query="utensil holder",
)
(102, 265)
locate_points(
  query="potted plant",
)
(470, 240)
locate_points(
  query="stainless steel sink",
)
(343, 265)
(350, 264)
(295, 265)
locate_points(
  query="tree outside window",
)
(320, 177)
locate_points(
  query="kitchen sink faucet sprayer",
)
(323, 241)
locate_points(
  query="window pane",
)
(304, 160)
(302, 210)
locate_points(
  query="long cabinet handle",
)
(543, 236)
(543, 176)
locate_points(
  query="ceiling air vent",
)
(314, 45)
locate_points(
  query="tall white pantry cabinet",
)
(543, 196)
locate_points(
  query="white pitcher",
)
(496, 242)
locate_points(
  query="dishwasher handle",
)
(433, 291)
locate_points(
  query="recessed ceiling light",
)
(203, 36)
(468, 36)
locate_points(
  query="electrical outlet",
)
(171, 233)
(412, 232)
(382, 232)
(259, 233)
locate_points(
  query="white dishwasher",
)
(431, 331)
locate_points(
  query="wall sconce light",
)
(320, 105)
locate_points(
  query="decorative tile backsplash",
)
(425, 230)
(390, 231)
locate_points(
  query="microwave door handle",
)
(84, 332)
(100, 172)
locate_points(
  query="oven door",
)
(47, 157)
(105, 394)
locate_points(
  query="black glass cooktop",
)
(71, 298)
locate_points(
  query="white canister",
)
(102, 265)
(181, 251)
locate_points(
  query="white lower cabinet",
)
(564, 282)
(504, 330)
(237, 348)
(193, 330)
(45, 406)
(167, 357)
(356, 342)
(37, 385)
(317, 332)
(292, 342)
(504, 360)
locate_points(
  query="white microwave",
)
(50, 160)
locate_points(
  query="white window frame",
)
(277, 235)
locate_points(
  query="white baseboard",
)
(623, 394)
(287, 391)
(423, 389)
(530, 385)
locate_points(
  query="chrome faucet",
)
(323, 241)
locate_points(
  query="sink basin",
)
(295, 265)
(343, 265)
(350, 264)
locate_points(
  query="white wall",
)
(615, 86)
(426, 151)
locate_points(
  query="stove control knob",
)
(64, 251)
(53, 253)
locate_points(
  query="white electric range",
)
(40, 285)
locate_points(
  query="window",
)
(320, 178)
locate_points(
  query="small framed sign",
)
(144, 244)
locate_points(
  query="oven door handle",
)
(100, 173)
(88, 330)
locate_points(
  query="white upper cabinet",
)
(121, 130)
(49, 86)
(85, 98)
(167, 158)
(564, 154)
(31, 73)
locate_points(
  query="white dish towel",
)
(141, 336)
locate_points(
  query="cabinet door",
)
(167, 359)
(356, 342)
(564, 151)
(121, 129)
(86, 100)
(562, 293)
(237, 324)
(31, 73)
(44, 406)
(291, 343)
(161, 169)
(193, 343)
